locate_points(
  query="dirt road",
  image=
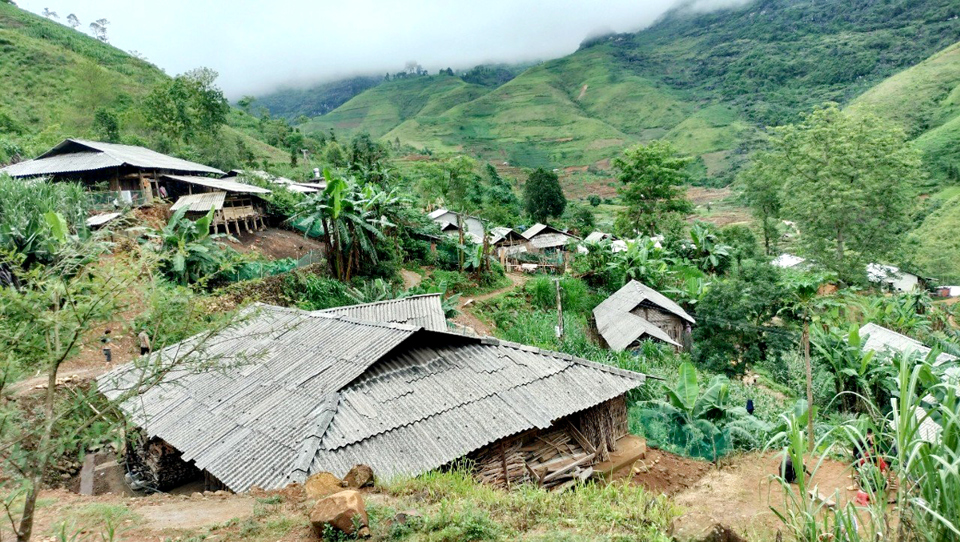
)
(468, 319)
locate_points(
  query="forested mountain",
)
(316, 100)
(705, 81)
(58, 82)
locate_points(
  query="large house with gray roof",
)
(131, 172)
(637, 312)
(283, 394)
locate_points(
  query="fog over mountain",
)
(259, 46)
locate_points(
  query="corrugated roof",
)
(880, 339)
(620, 328)
(502, 233)
(101, 219)
(200, 203)
(288, 393)
(425, 311)
(227, 185)
(597, 236)
(76, 155)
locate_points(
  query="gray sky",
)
(259, 46)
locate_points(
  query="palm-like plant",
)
(643, 261)
(702, 421)
(188, 252)
(705, 249)
(348, 222)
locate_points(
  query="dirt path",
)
(738, 495)
(411, 279)
(468, 319)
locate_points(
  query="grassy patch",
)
(454, 507)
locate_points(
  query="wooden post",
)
(559, 312)
(806, 359)
(503, 463)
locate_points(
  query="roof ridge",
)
(371, 303)
(573, 359)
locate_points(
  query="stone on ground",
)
(343, 511)
(322, 484)
(359, 476)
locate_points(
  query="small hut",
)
(235, 204)
(637, 312)
(544, 238)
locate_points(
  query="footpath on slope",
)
(468, 319)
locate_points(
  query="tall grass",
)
(918, 499)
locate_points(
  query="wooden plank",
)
(581, 440)
(586, 459)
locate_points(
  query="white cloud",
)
(258, 46)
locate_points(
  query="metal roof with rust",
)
(79, 155)
(425, 311)
(620, 328)
(286, 393)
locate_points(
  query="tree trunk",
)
(806, 359)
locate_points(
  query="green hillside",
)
(315, 100)
(55, 78)
(382, 108)
(704, 81)
(925, 101)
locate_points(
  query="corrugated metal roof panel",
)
(285, 393)
(420, 310)
(620, 328)
(881, 339)
(200, 203)
(76, 155)
(227, 185)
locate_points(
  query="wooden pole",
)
(503, 463)
(559, 312)
(806, 359)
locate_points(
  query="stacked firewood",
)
(556, 459)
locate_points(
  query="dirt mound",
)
(276, 244)
(667, 473)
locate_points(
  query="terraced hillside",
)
(704, 81)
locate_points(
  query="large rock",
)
(343, 511)
(322, 484)
(359, 476)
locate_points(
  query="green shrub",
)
(313, 293)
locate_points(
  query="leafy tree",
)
(73, 21)
(594, 200)
(333, 154)
(762, 188)
(188, 106)
(106, 125)
(50, 14)
(734, 327)
(581, 219)
(848, 185)
(500, 203)
(99, 29)
(542, 195)
(453, 183)
(651, 176)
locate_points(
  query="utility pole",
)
(806, 359)
(559, 311)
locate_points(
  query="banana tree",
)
(188, 252)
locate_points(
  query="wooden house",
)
(450, 221)
(506, 241)
(123, 174)
(544, 238)
(235, 204)
(283, 394)
(637, 312)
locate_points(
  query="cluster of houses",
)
(887, 277)
(284, 394)
(130, 176)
